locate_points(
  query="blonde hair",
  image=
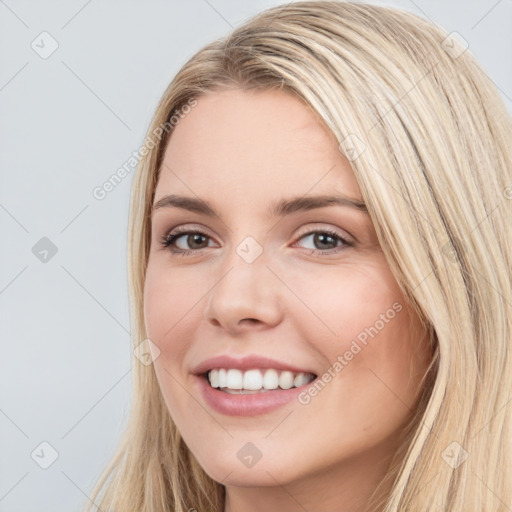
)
(429, 140)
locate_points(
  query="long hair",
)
(429, 140)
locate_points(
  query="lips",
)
(241, 404)
(245, 405)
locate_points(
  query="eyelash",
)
(168, 240)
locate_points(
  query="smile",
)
(234, 399)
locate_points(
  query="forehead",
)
(256, 144)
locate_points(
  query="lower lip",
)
(247, 405)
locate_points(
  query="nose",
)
(245, 297)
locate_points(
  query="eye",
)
(196, 240)
(191, 237)
(323, 237)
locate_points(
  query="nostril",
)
(249, 320)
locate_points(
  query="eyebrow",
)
(277, 209)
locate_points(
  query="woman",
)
(371, 374)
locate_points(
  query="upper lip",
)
(245, 363)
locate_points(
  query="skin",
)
(241, 151)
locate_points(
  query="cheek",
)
(168, 304)
(358, 313)
(167, 309)
(343, 301)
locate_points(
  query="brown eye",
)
(193, 241)
(326, 241)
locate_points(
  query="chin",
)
(253, 477)
(263, 473)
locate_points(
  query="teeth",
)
(270, 379)
(301, 379)
(253, 381)
(286, 380)
(234, 379)
(214, 378)
(223, 378)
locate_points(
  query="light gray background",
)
(67, 123)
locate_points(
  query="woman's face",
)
(305, 286)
